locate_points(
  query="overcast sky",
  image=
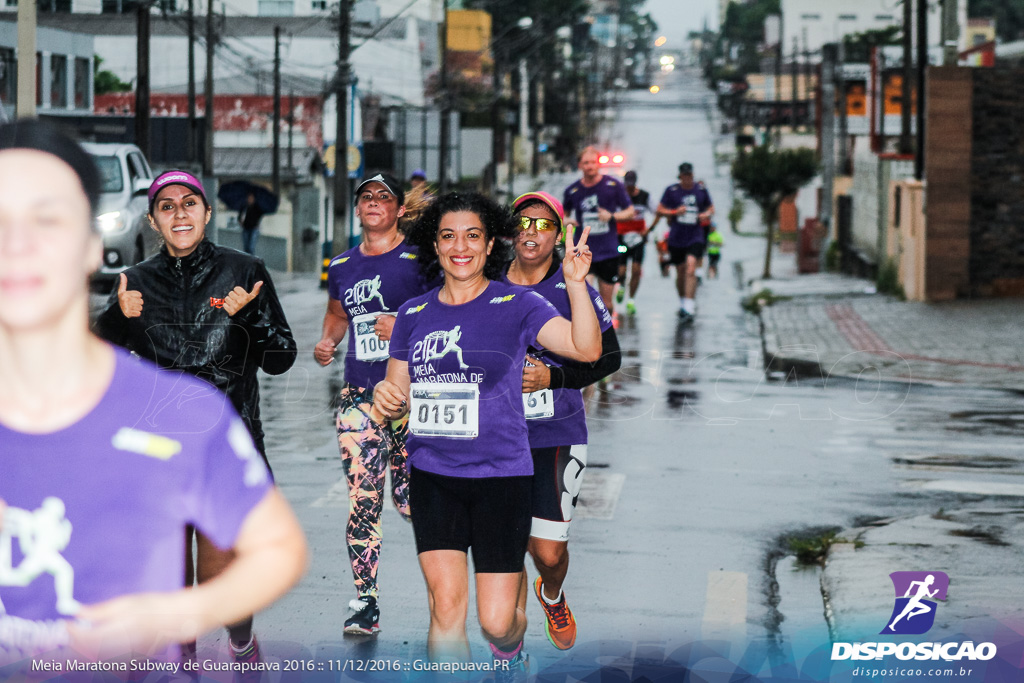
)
(676, 18)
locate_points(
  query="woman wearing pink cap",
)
(553, 404)
(210, 311)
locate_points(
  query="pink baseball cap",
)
(547, 199)
(175, 178)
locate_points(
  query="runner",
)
(554, 410)
(715, 242)
(212, 312)
(471, 469)
(633, 242)
(597, 201)
(367, 284)
(100, 478)
(688, 206)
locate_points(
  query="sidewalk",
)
(838, 326)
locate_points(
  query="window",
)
(81, 83)
(54, 6)
(111, 179)
(39, 79)
(884, 17)
(58, 81)
(319, 5)
(137, 167)
(8, 75)
(117, 6)
(847, 17)
(276, 8)
(810, 17)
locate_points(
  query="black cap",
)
(686, 167)
(631, 177)
(45, 137)
(388, 181)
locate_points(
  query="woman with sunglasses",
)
(554, 410)
(456, 369)
(104, 458)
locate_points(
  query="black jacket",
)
(183, 325)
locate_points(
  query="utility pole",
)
(291, 127)
(142, 78)
(341, 82)
(444, 142)
(908, 75)
(828, 143)
(950, 33)
(208, 92)
(777, 109)
(922, 67)
(538, 122)
(25, 107)
(795, 75)
(276, 157)
(190, 140)
(844, 129)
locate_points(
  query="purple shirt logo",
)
(916, 595)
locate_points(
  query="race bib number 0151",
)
(441, 409)
(369, 347)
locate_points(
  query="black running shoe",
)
(366, 621)
(250, 658)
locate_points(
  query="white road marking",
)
(725, 606)
(599, 494)
(336, 496)
(980, 488)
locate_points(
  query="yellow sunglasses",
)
(543, 224)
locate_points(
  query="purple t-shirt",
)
(468, 360)
(105, 500)
(366, 286)
(685, 228)
(568, 425)
(582, 202)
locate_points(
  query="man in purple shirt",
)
(688, 208)
(599, 200)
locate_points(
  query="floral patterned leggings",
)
(368, 450)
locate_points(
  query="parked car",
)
(121, 216)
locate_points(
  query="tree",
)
(857, 46)
(1009, 16)
(106, 81)
(768, 176)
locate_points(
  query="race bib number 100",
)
(369, 347)
(442, 409)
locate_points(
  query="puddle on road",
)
(1008, 422)
(981, 462)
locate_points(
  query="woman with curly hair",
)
(456, 366)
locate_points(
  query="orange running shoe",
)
(561, 625)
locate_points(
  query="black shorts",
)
(677, 255)
(606, 270)
(490, 515)
(713, 259)
(635, 254)
(557, 478)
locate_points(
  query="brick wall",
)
(997, 183)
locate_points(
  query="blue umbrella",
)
(235, 193)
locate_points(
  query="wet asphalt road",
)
(699, 463)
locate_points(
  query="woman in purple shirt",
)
(456, 368)
(103, 464)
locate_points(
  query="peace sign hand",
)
(576, 263)
(238, 298)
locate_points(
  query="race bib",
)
(369, 347)
(445, 409)
(539, 404)
(689, 218)
(597, 226)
